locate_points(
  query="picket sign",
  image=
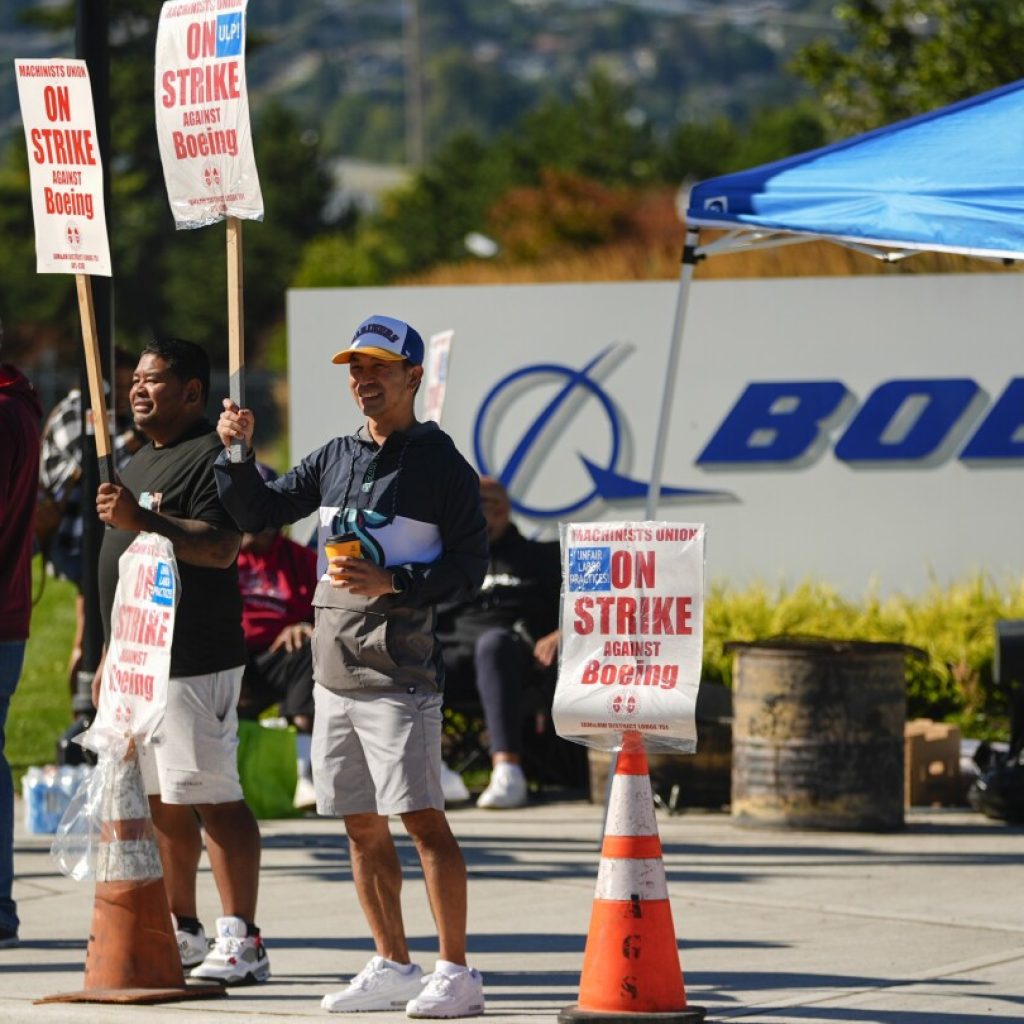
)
(436, 367)
(133, 693)
(66, 183)
(205, 141)
(632, 633)
(202, 113)
(65, 170)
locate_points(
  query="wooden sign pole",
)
(94, 373)
(236, 332)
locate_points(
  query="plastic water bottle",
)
(33, 788)
(46, 794)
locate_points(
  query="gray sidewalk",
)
(925, 926)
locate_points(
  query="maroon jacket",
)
(20, 412)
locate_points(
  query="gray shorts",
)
(194, 756)
(376, 752)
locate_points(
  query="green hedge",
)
(954, 626)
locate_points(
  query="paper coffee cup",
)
(343, 545)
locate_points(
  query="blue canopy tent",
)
(951, 180)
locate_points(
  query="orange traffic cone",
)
(631, 963)
(132, 955)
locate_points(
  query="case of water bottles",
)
(47, 792)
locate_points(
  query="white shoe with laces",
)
(380, 985)
(235, 957)
(452, 786)
(451, 991)
(192, 948)
(507, 788)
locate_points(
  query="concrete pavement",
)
(924, 926)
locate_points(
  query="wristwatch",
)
(397, 584)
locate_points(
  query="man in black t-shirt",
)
(168, 488)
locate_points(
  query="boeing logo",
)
(772, 425)
(901, 422)
(574, 389)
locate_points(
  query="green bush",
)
(953, 627)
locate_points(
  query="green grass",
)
(41, 707)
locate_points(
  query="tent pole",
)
(691, 256)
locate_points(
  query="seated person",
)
(277, 578)
(493, 644)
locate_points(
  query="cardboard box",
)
(931, 764)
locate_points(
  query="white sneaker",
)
(445, 994)
(235, 958)
(193, 948)
(380, 985)
(454, 788)
(305, 794)
(506, 789)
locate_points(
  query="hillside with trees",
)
(560, 131)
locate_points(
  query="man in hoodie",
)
(412, 501)
(20, 413)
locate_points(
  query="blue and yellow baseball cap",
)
(384, 337)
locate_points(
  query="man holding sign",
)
(408, 505)
(168, 489)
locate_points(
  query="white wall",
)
(896, 526)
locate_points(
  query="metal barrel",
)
(818, 734)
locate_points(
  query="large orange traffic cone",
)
(132, 955)
(631, 963)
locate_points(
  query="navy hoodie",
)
(414, 503)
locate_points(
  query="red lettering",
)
(645, 568)
(584, 622)
(684, 616)
(626, 618)
(162, 634)
(168, 86)
(201, 40)
(660, 619)
(605, 604)
(610, 673)
(622, 570)
(205, 84)
(62, 146)
(57, 102)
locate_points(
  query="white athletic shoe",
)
(506, 789)
(454, 788)
(305, 794)
(380, 985)
(193, 948)
(459, 994)
(235, 958)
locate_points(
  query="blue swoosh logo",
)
(614, 486)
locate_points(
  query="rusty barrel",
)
(818, 734)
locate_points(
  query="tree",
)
(594, 138)
(911, 56)
(600, 135)
(167, 281)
